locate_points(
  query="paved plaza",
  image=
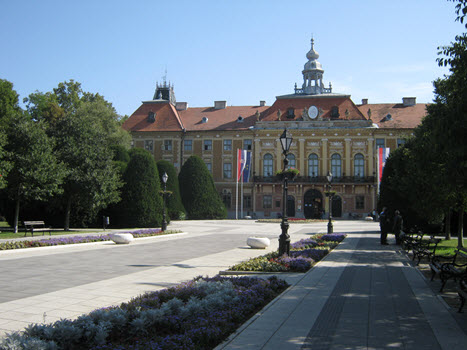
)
(361, 296)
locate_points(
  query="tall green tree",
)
(199, 195)
(36, 173)
(175, 207)
(141, 204)
(92, 180)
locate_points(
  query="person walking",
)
(397, 228)
(383, 224)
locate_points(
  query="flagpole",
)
(236, 191)
(241, 199)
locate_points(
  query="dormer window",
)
(204, 120)
(335, 112)
(151, 117)
(240, 119)
(290, 113)
(387, 117)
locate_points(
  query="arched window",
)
(359, 165)
(267, 165)
(291, 159)
(336, 165)
(313, 165)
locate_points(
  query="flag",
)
(241, 161)
(246, 170)
(383, 154)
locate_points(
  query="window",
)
(227, 198)
(227, 170)
(267, 165)
(334, 112)
(227, 145)
(380, 143)
(400, 142)
(313, 165)
(359, 202)
(167, 145)
(290, 113)
(267, 202)
(291, 159)
(149, 145)
(336, 165)
(209, 166)
(278, 204)
(188, 145)
(359, 165)
(247, 201)
(207, 145)
(247, 144)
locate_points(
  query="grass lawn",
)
(20, 234)
(448, 247)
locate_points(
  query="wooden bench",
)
(37, 226)
(408, 240)
(452, 269)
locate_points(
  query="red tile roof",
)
(322, 102)
(401, 117)
(167, 118)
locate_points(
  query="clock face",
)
(312, 112)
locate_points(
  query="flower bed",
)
(292, 220)
(199, 314)
(303, 255)
(78, 239)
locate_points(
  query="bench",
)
(408, 240)
(37, 226)
(452, 269)
(424, 248)
(462, 291)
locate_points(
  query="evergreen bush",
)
(199, 195)
(141, 204)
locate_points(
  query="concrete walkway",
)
(361, 296)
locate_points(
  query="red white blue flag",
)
(383, 154)
(246, 169)
(241, 161)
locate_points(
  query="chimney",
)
(409, 101)
(262, 103)
(181, 106)
(364, 101)
(220, 104)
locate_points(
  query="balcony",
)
(318, 179)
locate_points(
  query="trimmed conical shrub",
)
(199, 195)
(141, 204)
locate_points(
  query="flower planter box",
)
(122, 238)
(258, 242)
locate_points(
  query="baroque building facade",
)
(330, 133)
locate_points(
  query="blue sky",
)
(242, 51)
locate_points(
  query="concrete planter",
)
(258, 242)
(122, 238)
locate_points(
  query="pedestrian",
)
(383, 224)
(397, 228)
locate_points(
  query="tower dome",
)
(313, 74)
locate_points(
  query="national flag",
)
(241, 161)
(383, 153)
(246, 170)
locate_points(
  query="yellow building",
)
(330, 133)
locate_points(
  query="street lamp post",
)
(165, 177)
(329, 178)
(284, 238)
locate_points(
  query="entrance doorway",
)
(336, 206)
(290, 206)
(313, 204)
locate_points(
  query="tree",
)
(175, 207)
(36, 174)
(141, 204)
(199, 195)
(92, 180)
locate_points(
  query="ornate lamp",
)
(329, 178)
(165, 177)
(284, 238)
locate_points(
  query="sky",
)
(241, 51)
